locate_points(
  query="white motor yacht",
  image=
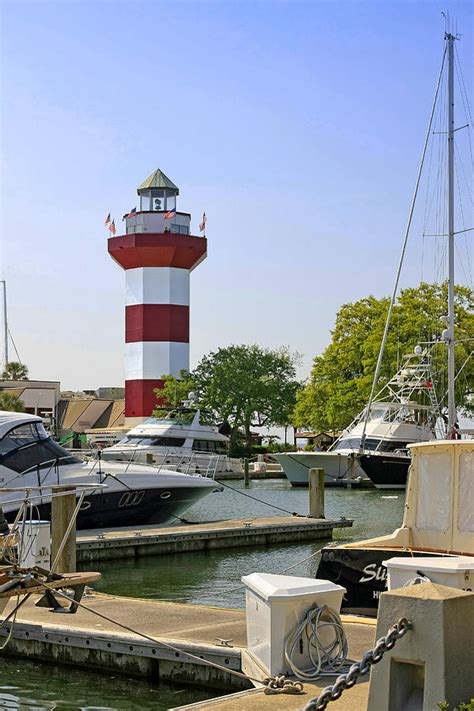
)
(178, 440)
(133, 494)
(404, 412)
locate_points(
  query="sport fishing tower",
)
(158, 254)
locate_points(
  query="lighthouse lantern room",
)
(158, 254)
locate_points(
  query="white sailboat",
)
(439, 516)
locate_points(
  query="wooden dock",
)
(217, 635)
(109, 544)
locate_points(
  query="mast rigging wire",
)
(402, 255)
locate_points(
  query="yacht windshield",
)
(24, 434)
(28, 446)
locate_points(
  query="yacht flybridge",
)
(133, 494)
(405, 411)
(178, 440)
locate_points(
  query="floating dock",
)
(214, 634)
(109, 544)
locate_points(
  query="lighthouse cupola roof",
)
(157, 180)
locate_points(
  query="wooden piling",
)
(316, 493)
(246, 472)
(62, 510)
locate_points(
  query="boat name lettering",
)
(131, 498)
(373, 572)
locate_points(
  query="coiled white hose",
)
(321, 635)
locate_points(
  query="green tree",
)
(248, 386)
(341, 377)
(10, 402)
(173, 392)
(15, 371)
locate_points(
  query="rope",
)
(266, 503)
(327, 658)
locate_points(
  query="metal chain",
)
(372, 656)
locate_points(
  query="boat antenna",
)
(402, 255)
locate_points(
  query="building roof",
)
(157, 180)
(113, 416)
(77, 415)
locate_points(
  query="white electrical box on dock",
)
(34, 544)
(453, 571)
(275, 605)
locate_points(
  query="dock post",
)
(62, 510)
(316, 493)
(432, 663)
(246, 471)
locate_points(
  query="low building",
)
(40, 397)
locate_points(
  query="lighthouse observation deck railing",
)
(154, 222)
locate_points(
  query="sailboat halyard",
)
(437, 519)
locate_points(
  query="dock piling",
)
(316, 493)
(62, 510)
(246, 472)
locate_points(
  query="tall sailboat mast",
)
(449, 335)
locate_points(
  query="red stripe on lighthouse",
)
(140, 400)
(157, 322)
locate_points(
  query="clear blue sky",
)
(297, 126)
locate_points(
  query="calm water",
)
(203, 578)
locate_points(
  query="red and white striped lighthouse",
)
(158, 254)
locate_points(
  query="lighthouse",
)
(158, 254)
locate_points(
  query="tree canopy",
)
(10, 402)
(173, 392)
(247, 386)
(341, 378)
(15, 371)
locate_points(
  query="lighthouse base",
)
(140, 400)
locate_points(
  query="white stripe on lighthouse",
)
(151, 360)
(157, 285)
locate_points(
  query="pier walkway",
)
(91, 642)
(109, 544)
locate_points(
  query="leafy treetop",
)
(15, 371)
(341, 378)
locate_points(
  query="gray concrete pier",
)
(87, 641)
(109, 544)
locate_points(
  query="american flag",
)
(107, 219)
(202, 226)
(112, 227)
(170, 214)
